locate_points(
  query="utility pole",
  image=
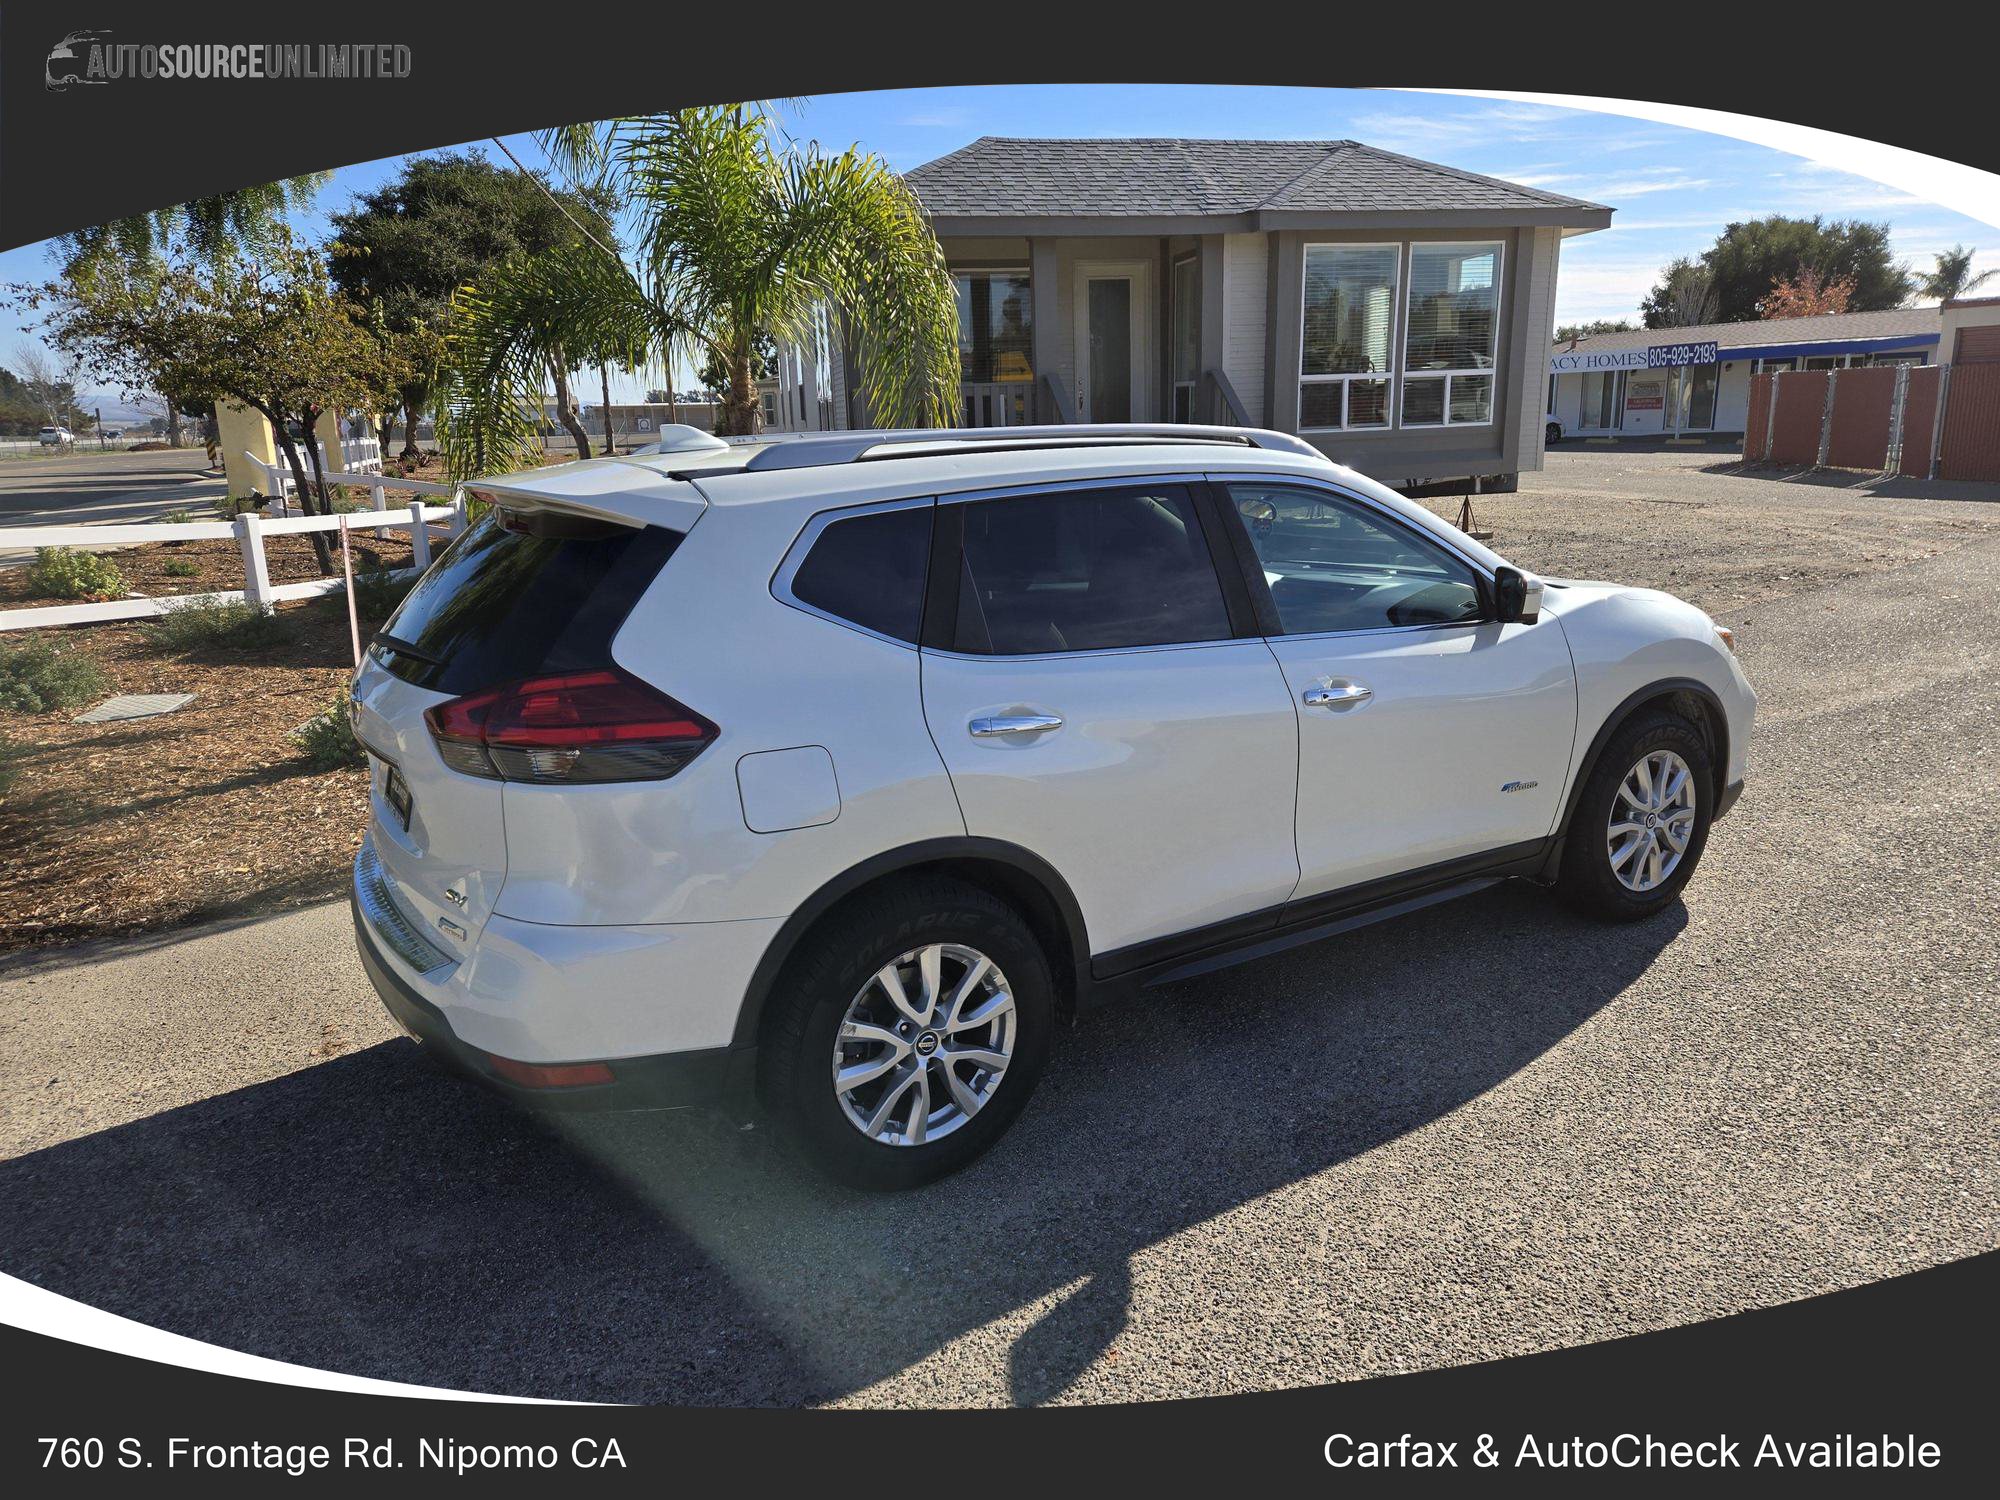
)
(102, 442)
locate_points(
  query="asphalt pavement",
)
(1483, 1129)
(89, 488)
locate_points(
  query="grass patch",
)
(208, 620)
(65, 573)
(179, 568)
(36, 678)
(328, 737)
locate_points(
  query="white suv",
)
(841, 766)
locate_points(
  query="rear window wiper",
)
(403, 648)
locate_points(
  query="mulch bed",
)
(207, 812)
(219, 564)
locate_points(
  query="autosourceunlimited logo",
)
(83, 58)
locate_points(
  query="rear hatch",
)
(531, 590)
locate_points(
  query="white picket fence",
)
(250, 531)
(364, 468)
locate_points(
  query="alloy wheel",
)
(1652, 821)
(924, 1044)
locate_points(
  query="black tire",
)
(1587, 880)
(795, 1060)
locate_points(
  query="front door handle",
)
(1013, 724)
(1339, 698)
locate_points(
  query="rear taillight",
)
(580, 726)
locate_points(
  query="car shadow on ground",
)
(376, 1216)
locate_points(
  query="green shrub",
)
(180, 515)
(377, 592)
(36, 678)
(229, 507)
(179, 567)
(65, 573)
(328, 737)
(208, 620)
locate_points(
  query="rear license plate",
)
(396, 792)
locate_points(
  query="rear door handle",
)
(1340, 699)
(1013, 724)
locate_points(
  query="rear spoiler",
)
(628, 492)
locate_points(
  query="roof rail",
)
(812, 450)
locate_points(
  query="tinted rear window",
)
(870, 570)
(503, 604)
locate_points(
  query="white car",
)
(842, 766)
(57, 437)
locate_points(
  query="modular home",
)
(1393, 312)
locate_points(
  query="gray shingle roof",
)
(998, 176)
(1826, 328)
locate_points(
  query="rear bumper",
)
(667, 1080)
(1728, 798)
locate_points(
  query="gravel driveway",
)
(1480, 1130)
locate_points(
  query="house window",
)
(1451, 343)
(996, 326)
(1347, 334)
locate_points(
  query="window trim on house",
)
(1491, 372)
(1188, 260)
(1388, 377)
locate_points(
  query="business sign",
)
(1658, 357)
(1582, 361)
(1673, 356)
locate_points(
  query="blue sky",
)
(1673, 189)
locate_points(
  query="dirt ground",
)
(218, 564)
(206, 812)
(212, 811)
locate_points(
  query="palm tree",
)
(1953, 276)
(735, 236)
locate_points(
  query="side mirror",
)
(1517, 597)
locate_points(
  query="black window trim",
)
(940, 626)
(1260, 590)
(802, 545)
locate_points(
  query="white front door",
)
(1113, 350)
(1094, 709)
(1427, 733)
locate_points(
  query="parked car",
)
(57, 437)
(839, 768)
(1552, 433)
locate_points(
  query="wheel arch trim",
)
(928, 853)
(1666, 687)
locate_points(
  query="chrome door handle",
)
(1339, 699)
(1013, 724)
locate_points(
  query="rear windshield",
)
(519, 596)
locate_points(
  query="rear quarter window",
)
(869, 570)
(520, 596)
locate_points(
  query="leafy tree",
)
(1953, 276)
(1590, 330)
(268, 333)
(1808, 295)
(213, 230)
(1685, 297)
(737, 234)
(445, 222)
(1749, 258)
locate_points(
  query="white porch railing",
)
(997, 403)
(249, 530)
